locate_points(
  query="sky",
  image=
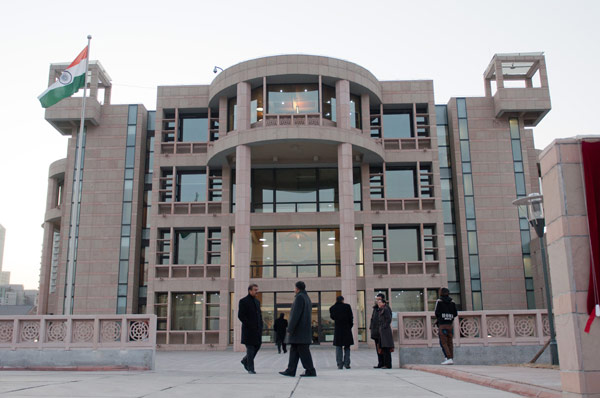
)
(143, 44)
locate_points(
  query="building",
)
(295, 167)
(16, 300)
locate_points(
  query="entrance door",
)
(314, 319)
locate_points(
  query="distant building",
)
(4, 275)
(294, 167)
(17, 295)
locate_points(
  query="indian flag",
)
(71, 80)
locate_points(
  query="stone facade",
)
(371, 133)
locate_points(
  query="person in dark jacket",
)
(385, 333)
(280, 326)
(249, 314)
(341, 313)
(300, 334)
(374, 328)
(445, 312)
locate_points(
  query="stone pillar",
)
(499, 75)
(487, 85)
(347, 250)
(569, 259)
(242, 234)
(222, 116)
(365, 109)
(243, 106)
(342, 103)
(543, 73)
(107, 92)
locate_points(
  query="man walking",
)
(280, 327)
(250, 315)
(341, 313)
(374, 327)
(300, 334)
(445, 312)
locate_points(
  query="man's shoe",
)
(252, 372)
(309, 374)
(286, 373)
(378, 367)
(244, 362)
(340, 367)
(347, 366)
(448, 362)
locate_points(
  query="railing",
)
(188, 208)
(404, 144)
(476, 328)
(184, 147)
(406, 268)
(307, 119)
(409, 204)
(78, 331)
(188, 271)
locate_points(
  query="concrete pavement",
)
(220, 374)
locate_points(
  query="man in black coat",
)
(249, 314)
(280, 327)
(300, 334)
(341, 313)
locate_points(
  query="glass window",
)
(293, 98)
(441, 114)
(330, 246)
(404, 244)
(357, 188)
(468, 184)
(446, 189)
(474, 266)
(124, 252)
(477, 301)
(297, 247)
(263, 243)
(448, 212)
(525, 241)
(263, 189)
(190, 247)
(186, 313)
(329, 103)
(359, 254)
(444, 155)
(520, 183)
(132, 114)
(442, 134)
(472, 240)
(527, 266)
(516, 150)
(400, 182)
(355, 111)
(461, 106)
(130, 157)
(465, 154)
(193, 128)
(469, 207)
(256, 105)
(126, 219)
(397, 124)
(232, 114)
(463, 129)
(296, 185)
(191, 186)
(128, 191)
(131, 135)
(407, 300)
(514, 129)
(328, 189)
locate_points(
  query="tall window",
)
(232, 114)
(397, 124)
(187, 311)
(193, 128)
(408, 300)
(189, 247)
(355, 121)
(293, 98)
(329, 103)
(191, 186)
(404, 244)
(400, 182)
(256, 105)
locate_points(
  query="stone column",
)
(242, 234)
(243, 106)
(365, 109)
(342, 103)
(569, 259)
(222, 116)
(347, 250)
(46, 269)
(499, 75)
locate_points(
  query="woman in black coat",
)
(341, 313)
(386, 338)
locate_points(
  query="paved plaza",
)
(219, 374)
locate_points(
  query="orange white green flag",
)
(69, 82)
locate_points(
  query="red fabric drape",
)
(590, 152)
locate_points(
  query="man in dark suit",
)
(341, 313)
(280, 327)
(250, 315)
(300, 334)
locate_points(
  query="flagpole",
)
(70, 282)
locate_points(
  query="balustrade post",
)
(511, 328)
(16, 333)
(42, 333)
(96, 332)
(428, 329)
(69, 335)
(539, 322)
(484, 331)
(124, 331)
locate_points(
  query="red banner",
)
(590, 155)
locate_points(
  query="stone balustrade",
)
(476, 328)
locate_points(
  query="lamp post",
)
(535, 215)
